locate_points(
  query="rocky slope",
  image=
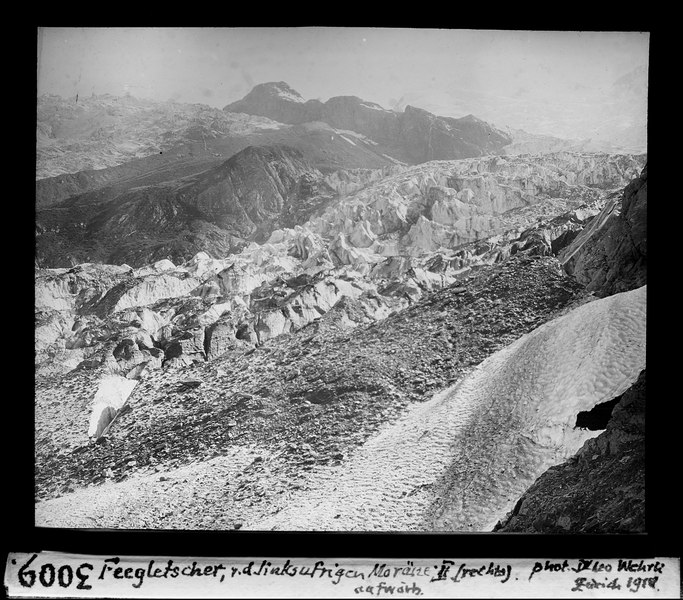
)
(122, 143)
(92, 133)
(310, 406)
(414, 136)
(297, 386)
(218, 210)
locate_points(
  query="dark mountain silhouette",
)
(218, 211)
(413, 136)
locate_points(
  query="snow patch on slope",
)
(349, 133)
(374, 106)
(350, 141)
(461, 460)
(111, 395)
(285, 92)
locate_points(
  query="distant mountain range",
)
(88, 142)
(137, 181)
(84, 135)
(413, 136)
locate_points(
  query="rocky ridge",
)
(610, 256)
(217, 211)
(413, 136)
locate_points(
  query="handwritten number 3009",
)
(47, 575)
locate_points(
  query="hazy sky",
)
(448, 71)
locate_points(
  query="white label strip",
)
(57, 575)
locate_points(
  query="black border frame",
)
(663, 501)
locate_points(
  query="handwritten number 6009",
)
(46, 575)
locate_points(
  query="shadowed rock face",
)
(217, 211)
(368, 118)
(428, 137)
(610, 255)
(413, 136)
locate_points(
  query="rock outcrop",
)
(603, 484)
(610, 255)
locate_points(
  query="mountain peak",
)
(471, 119)
(275, 100)
(415, 110)
(279, 89)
